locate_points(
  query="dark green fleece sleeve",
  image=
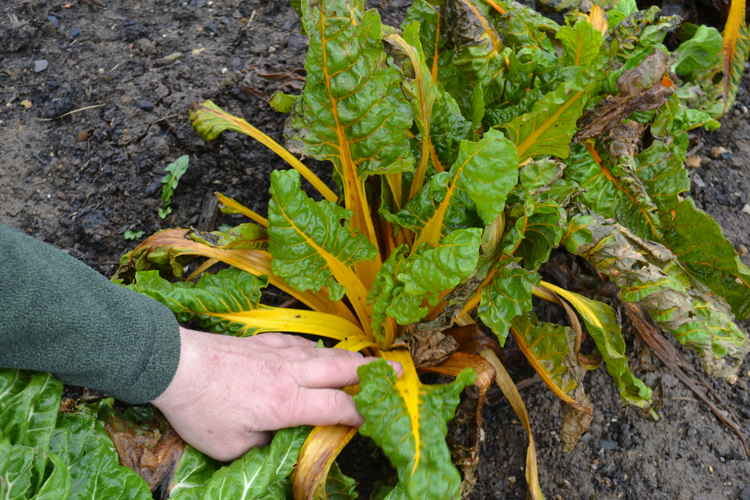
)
(60, 316)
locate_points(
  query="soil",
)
(93, 105)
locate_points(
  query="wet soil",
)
(93, 105)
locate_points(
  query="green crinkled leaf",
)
(648, 273)
(431, 271)
(82, 443)
(388, 298)
(602, 325)
(421, 90)
(352, 110)
(622, 10)
(427, 15)
(262, 473)
(514, 108)
(534, 230)
(478, 183)
(405, 283)
(505, 298)
(488, 170)
(694, 236)
(578, 232)
(553, 346)
(296, 221)
(699, 54)
(703, 92)
(339, 486)
(544, 180)
(539, 174)
(581, 43)
(282, 102)
(661, 168)
(229, 290)
(532, 71)
(460, 214)
(523, 26)
(561, 5)
(29, 403)
(638, 33)
(58, 484)
(670, 124)
(543, 231)
(191, 475)
(549, 127)
(17, 468)
(615, 192)
(654, 34)
(448, 127)
(170, 181)
(698, 241)
(429, 471)
(475, 56)
(694, 118)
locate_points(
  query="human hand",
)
(229, 392)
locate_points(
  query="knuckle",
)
(290, 408)
(338, 400)
(348, 367)
(272, 368)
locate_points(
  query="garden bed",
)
(93, 105)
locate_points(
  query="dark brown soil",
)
(81, 180)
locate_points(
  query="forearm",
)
(63, 317)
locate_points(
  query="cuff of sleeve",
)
(159, 360)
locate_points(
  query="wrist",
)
(186, 384)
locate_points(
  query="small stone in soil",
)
(746, 209)
(718, 151)
(145, 105)
(698, 181)
(40, 65)
(74, 32)
(153, 187)
(608, 444)
(694, 161)
(742, 250)
(54, 21)
(168, 59)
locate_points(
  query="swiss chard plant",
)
(466, 146)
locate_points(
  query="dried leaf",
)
(152, 450)
(650, 274)
(641, 89)
(575, 421)
(551, 351)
